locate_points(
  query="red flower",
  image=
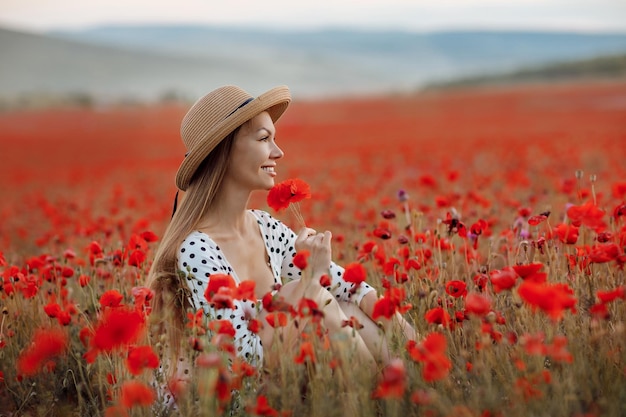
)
(277, 319)
(567, 233)
(118, 327)
(83, 280)
(525, 271)
(222, 327)
(587, 214)
(325, 281)
(456, 288)
(142, 296)
(352, 322)
(135, 393)
(254, 325)
(540, 218)
(286, 192)
(438, 315)
(306, 352)
(149, 236)
(245, 290)
(215, 282)
(383, 307)
(477, 304)
(223, 298)
(300, 260)
(111, 298)
(355, 273)
(608, 296)
(137, 257)
(141, 357)
(552, 299)
(45, 346)
(502, 280)
(393, 381)
(52, 309)
(262, 408)
(431, 352)
(382, 233)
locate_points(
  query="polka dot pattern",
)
(199, 257)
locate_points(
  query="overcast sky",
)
(414, 15)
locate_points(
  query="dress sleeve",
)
(199, 258)
(341, 289)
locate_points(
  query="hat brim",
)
(274, 101)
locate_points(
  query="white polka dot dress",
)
(200, 257)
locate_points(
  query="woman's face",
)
(254, 154)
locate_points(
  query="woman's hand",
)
(318, 245)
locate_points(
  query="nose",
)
(276, 153)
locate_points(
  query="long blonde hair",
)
(171, 292)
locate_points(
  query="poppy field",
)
(493, 220)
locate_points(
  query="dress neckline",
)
(225, 259)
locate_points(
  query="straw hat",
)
(216, 115)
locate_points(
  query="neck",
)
(227, 215)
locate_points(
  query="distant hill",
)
(149, 62)
(604, 67)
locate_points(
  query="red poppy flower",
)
(325, 281)
(215, 282)
(300, 260)
(141, 357)
(604, 253)
(135, 393)
(393, 381)
(431, 352)
(477, 304)
(45, 346)
(262, 408)
(111, 298)
(588, 215)
(355, 273)
(254, 325)
(352, 322)
(438, 315)
(52, 309)
(526, 270)
(382, 233)
(608, 296)
(558, 350)
(309, 308)
(307, 352)
(83, 280)
(456, 288)
(118, 327)
(195, 321)
(245, 290)
(538, 219)
(287, 192)
(143, 296)
(552, 299)
(149, 236)
(137, 257)
(502, 280)
(222, 327)
(277, 319)
(567, 233)
(223, 298)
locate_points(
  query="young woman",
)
(232, 151)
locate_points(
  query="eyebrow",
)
(266, 129)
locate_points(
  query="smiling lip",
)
(270, 170)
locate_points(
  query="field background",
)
(478, 177)
(73, 176)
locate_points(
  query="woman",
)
(231, 151)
